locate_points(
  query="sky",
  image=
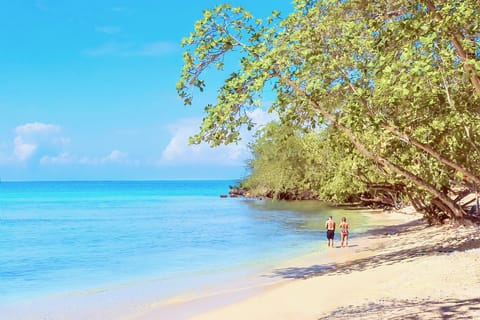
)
(87, 92)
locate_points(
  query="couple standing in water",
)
(330, 226)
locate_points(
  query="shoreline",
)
(399, 269)
(384, 267)
(395, 272)
(124, 297)
(276, 276)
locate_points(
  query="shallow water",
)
(64, 237)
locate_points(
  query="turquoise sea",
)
(60, 237)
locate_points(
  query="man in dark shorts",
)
(330, 226)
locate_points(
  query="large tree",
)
(390, 77)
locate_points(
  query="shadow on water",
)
(305, 215)
(410, 309)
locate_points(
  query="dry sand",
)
(404, 271)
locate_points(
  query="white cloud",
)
(36, 128)
(65, 158)
(62, 158)
(22, 150)
(45, 144)
(152, 49)
(261, 117)
(178, 151)
(36, 137)
(114, 156)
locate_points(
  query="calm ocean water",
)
(62, 236)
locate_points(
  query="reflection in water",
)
(307, 215)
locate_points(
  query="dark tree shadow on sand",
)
(410, 309)
(406, 242)
(423, 244)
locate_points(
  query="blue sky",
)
(87, 91)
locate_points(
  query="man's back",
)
(330, 224)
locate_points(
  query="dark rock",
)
(237, 192)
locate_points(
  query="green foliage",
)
(365, 91)
(225, 30)
(323, 162)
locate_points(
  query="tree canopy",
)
(371, 93)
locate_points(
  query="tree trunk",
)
(386, 201)
(422, 146)
(454, 210)
(432, 152)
